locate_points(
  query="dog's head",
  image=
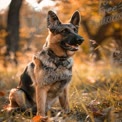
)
(63, 39)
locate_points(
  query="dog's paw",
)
(66, 111)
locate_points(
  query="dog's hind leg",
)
(18, 98)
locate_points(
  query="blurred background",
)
(97, 72)
(23, 27)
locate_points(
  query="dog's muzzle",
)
(72, 42)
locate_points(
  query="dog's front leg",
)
(41, 96)
(41, 92)
(64, 101)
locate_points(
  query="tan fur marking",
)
(54, 44)
(41, 96)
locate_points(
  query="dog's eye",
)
(75, 30)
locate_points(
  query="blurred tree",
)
(97, 22)
(12, 38)
(114, 11)
(1, 23)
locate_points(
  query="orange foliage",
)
(2, 93)
(39, 119)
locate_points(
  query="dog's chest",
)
(56, 70)
(54, 75)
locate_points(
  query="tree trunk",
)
(13, 24)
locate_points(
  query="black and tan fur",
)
(47, 77)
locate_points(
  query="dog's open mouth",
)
(70, 47)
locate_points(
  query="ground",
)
(95, 93)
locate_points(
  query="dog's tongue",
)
(75, 47)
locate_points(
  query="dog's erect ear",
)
(52, 19)
(75, 19)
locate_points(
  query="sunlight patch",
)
(41, 5)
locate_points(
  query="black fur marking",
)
(27, 95)
(58, 61)
(53, 56)
(52, 20)
(26, 84)
(32, 65)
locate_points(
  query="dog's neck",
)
(53, 55)
(52, 60)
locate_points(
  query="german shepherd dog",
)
(47, 77)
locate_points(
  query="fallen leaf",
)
(36, 118)
(39, 119)
(2, 93)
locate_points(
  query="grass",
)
(95, 93)
(96, 90)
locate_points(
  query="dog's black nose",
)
(79, 39)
